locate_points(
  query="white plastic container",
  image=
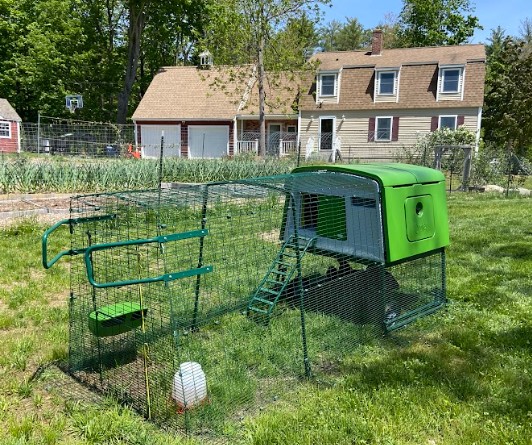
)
(190, 385)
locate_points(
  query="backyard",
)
(462, 375)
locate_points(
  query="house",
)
(212, 112)
(9, 128)
(373, 104)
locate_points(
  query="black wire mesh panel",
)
(199, 304)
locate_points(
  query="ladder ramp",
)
(282, 269)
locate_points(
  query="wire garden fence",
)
(69, 137)
(197, 304)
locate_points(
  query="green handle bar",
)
(160, 240)
(71, 222)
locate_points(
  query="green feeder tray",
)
(116, 318)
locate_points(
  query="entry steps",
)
(281, 271)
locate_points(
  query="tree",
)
(507, 119)
(495, 42)
(41, 55)
(436, 22)
(244, 31)
(390, 31)
(336, 36)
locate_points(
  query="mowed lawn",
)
(461, 376)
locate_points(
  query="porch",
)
(278, 143)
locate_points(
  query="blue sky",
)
(491, 13)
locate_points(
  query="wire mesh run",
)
(196, 305)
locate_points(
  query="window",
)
(447, 122)
(386, 81)
(291, 129)
(5, 129)
(383, 129)
(451, 80)
(327, 84)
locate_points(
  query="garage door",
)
(208, 141)
(151, 140)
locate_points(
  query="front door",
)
(274, 137)
(326, 133)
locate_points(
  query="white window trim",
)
(336, 85)
(9, 134)
(291, 126)
(448, 115)
(461, 80)
(376, 139)
(333, 135)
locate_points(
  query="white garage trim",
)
(208, 141)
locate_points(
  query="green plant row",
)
(27, 175)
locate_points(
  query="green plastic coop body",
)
(409, 201)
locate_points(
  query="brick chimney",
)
(376, 42)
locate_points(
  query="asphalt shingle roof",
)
(7, 112)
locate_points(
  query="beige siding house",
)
(373, 104)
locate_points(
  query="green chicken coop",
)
(197, 302)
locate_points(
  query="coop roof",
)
(387, 175)
(7, 112)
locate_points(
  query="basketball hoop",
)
(73, 102)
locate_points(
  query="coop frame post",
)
(200, 257)
(300, 290)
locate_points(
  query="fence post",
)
(39, 132)
(467, 168)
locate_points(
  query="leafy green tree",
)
(336, 36)
(495, 42)
(507, 119)
(390, 27)
(244, 33)
(41, 55)
(436, 22)
(300, 35)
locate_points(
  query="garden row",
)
(31, 175)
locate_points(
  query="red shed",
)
(9, 128)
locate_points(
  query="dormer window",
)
(386, 85)
(451, 83)
(450, 80)
(328, 84)
(386, 82)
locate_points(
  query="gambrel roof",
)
(418, 71)
(442, 55)
(7, 112)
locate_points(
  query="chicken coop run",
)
(195, 304)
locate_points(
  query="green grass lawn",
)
(461, 376)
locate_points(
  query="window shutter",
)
(371, 130)
(460, 121)
(395, 128)
(434, 123)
